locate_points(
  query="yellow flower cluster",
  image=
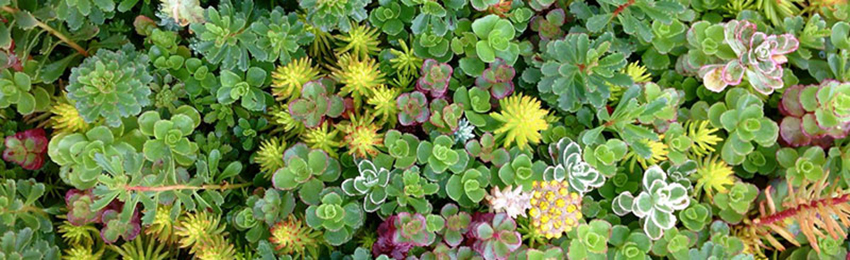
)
(555, 210)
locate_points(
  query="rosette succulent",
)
(469, 188)
(411, 229)
(522, 172)
(577, 70)
(495, 39)
(414, 108)
(807, 165)
(457, 224)
(435, 78)
(409, 190)
(79, 204)
(742, 51)
(225, 37)
(439, 155)
(306, 170)
(569, 165)
(16, 88)
(318, 100)
(75, 153)
(26, 148)
(656, 204)
(549, 26)
(745, 122)
(498, 79)
(371, 183)
(402, 147)
(111, 85)
(328, 15)
(735, 204)
(496, 239)
(336, 216)
(815, 114)
(171, 137)
(281, 35)
(486, 150)
(247, 89)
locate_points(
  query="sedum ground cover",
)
(424, 129)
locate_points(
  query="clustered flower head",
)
(513, 202)
(555, 209)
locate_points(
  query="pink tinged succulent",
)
(435, 78)
(498, 79)
(414, 108)
(815, 114)
(26, 148)
(79, 207)
(412, 229)
(549, 26)
(386, 243)
(115, 228)
(317, 101)
(496, 239)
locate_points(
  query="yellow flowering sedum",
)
(269, 157)
(522, 120)
(66, 118)
(359, 77)
(555, 209)
(361, 136)
(703, 136)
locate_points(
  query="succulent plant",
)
(496, 239)
(656, 204)
(281, 35)
(171, 137)
(25, 244)
(409, 190)
(111, 85)
(725, 53)
(336, 216)
(359, 76)
(549, 26)
(567, 157)
(371, 183)
(445, 117)
(79, 204)
(630, 244)
(114, 227)
(735, 203)
(386, 243)
(486, 150)
(247, 89)
(592, 240)
(317, 102)
(815, 114)
(522, 172)
(435, 78)
(75, 154)
(273, 207)
(225, 38)
(16, 88)
(306, 170)
(469, 188)
(183, 12)
(807, 164)
(571, 79)
(402, 147)
(26, 148)
(411, 229)
(457, 224)
(495, 39)
(391, 17)
(522, 119)
(745, 122)
(335, 14)
(414, 108)
(695, 217)
(362, 135)
(498, 79)
(439, 155)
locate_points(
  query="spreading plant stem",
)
(226, 186)
(62, 37)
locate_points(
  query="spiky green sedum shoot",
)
(522, 120)
(270, 155)
(359, 77)
(292, 237)
(362, 136)
(361, 41)
(288, 79)
(198, 228)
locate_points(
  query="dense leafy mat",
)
(425, 129)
